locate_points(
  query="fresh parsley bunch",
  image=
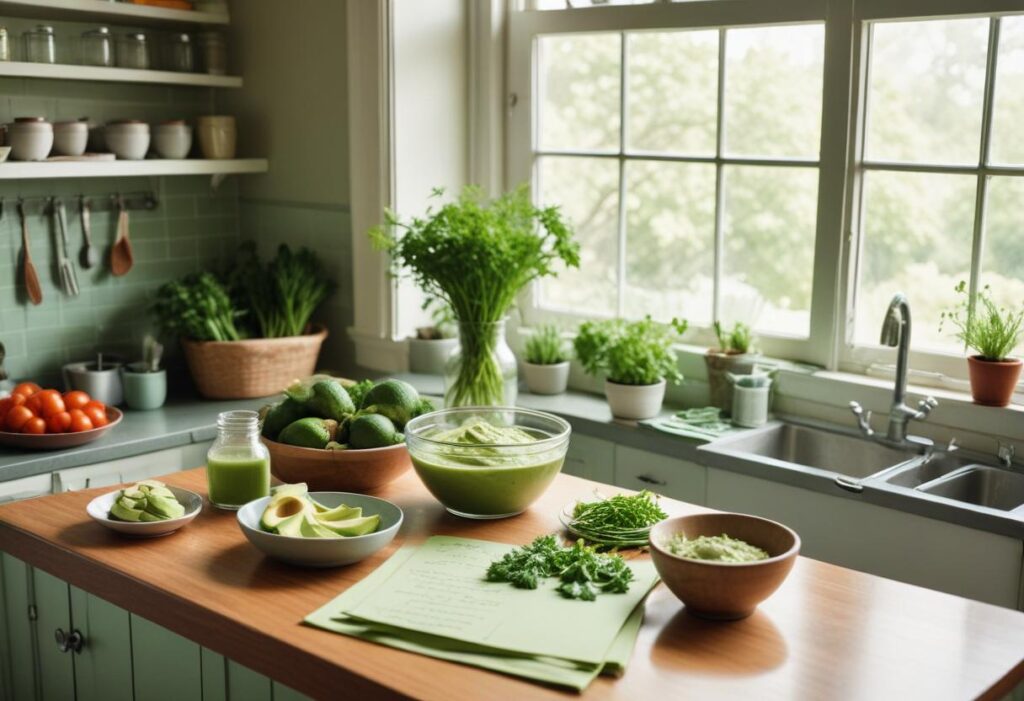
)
(630, 352)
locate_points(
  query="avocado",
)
(288, 490)
(373, 431)
(394, 399)
(340, 513)
(163, 507)
(281, 509)
(149, 484)
(282, 414)
(162, 492)
(311, 528)
(121, 512)
(299, 392)
(309, 432)
(291, 526)
(317, 506)
(134, 493)
(146, 516)
(330, 401)
(353, 526)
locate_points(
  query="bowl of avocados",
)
(337, 437)
(319, 529)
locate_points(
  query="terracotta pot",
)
(338, 470)
(724, 591)
(993, 381)
(719, 365)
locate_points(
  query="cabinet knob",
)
(650, 480)
(66, 642)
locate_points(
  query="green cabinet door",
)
(18, 639)
(167, 667)
(215, 676)
(103, 669)
(56, 668)
(283, 693)
(247, 685)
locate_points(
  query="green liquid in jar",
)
(235, 480)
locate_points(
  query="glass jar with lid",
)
(237, 464)
(40, 45)
(133, 51)
(215, 53)
(97, 47)
(180, 53)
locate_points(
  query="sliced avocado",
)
(164, 507)
(353, 526)
(329, 400)
(120, 512)
(311, 528)
(317, 506)
(282, 509)
(282, 414)
(146, 516)
(288, 490)
(150, 483)
(163, 492)
(130, 503)
(134, 493)
(291, 526)
(340, 513)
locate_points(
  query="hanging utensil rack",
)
(97, 203)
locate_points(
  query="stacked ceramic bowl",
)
(128, 139)
(30, 138)
(70, 138)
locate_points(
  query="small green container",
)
(143, 389)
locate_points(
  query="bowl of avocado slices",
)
(146, 509)
(319, 529)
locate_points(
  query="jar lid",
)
(99, 31)
(173, 123)
(41, 29)
(183, 38)
(26, 120)
(136, 36)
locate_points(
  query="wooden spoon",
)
(35, 291)
(121, 258)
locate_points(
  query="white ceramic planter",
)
(546, 379)
(634, 402)
(429, 357)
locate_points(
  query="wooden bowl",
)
(725, 590)
(60, 441)
(338, 470)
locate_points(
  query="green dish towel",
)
(702, 424)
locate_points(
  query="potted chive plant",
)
(733, 356)
(993, 332)
(637, 359)
(546, 367)
(430, 348)
(476, 255)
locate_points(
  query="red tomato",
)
(17, 417)
(97, 415)
(76, 399)
(33, 402)
(50, 402)
(27, 389)
(95, 404)
(58, 423)
(34, 425)
(79, 421)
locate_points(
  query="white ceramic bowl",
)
(30, 141)
(172, 140)
(323, 552)
(99, 509)
(128, 141)
(70, 138)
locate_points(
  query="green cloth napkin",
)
(702, 424)
(550, 669)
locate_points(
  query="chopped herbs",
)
(622, 521)
(583, 571)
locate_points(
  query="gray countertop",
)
(188, 420)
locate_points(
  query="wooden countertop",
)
(829, 632)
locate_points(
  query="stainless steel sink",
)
(826, 450)
(927, 469)
(982, 485)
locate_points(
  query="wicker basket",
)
(255, 367)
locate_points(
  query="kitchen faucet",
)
(896, 334)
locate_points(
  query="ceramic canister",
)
(103, 385)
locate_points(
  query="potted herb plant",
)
(733, 356)
(547, 361)
(637, 360)
(993, 332)
(430, 348)
(476, 255)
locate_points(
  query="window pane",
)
(587, 190)
(670, 240)
(673, 92)
(1003, 263)
(579, 91)
(926, 92)
(1007, 135)
(773, 91)
(917, 240)
(769, 227)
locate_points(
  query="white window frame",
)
(837, 238)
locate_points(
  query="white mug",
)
(750, 405)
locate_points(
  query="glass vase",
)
(481, 371)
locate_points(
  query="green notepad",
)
(531, 639)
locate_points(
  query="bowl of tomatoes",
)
(46, 419)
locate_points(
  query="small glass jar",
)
(5, 45)
(133, 51)
(97, 48)
(481, 371)
(215, 53)
(180, 54)
(40, 45)
(237, 464)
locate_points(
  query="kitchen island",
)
(828, 632)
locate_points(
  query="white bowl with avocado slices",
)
(319, 529)
(163, 517)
